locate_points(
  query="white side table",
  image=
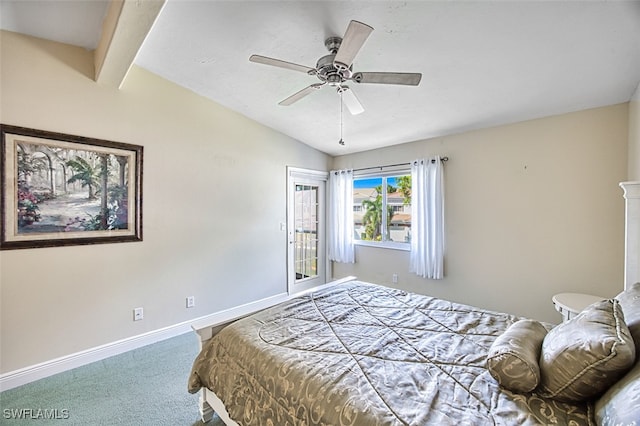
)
(571, 304)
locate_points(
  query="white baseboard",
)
(35, 372)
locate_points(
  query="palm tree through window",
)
(382, 208)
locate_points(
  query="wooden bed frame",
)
(209, 401)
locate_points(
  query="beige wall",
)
(532, 209)
(213, 199)
(634, 136)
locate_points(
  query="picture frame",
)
(52, 190)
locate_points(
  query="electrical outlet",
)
(394, 278)
(191, 301)
(138, 314)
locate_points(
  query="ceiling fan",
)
(336, 68)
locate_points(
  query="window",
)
(382, 210)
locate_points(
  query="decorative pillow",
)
(630, 303)
(620, 405)
(513, 356)
(582, 357)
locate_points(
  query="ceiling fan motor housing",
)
(326, 69)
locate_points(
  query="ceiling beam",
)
(124, 29)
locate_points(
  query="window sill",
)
(384, 245)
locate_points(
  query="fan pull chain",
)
(341, 142)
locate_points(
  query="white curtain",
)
(427, 219)
(341, 216)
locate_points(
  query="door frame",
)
(318, 176)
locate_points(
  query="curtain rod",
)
(443, 159)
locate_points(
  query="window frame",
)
(394, 245)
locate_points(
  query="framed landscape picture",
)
(60, 189)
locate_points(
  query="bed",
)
(357, 353)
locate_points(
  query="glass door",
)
(306, 231)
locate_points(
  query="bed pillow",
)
(582, 357)
(630, 303)
(513, 356)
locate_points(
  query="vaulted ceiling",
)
(483, 63)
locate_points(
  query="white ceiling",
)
(67, 21)
(484, 63)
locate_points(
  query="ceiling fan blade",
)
(355, 36)
(282, 64)
(406, 78)
(350, 100)
(301, 94)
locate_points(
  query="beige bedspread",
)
(359, 354)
